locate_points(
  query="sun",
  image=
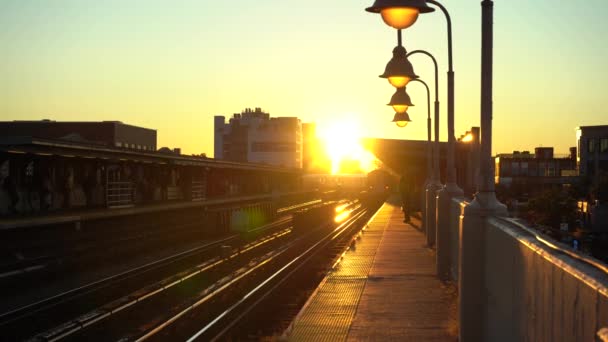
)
(341, 140)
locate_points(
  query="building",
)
(534, 172)
(592, 157)
(253, 136)
(107, 133)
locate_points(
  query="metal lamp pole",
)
(451, 186)
(473, 222)
(435, 175)
(434, 184)
(429, 148)
(485, 194)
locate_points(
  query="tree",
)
(551, 208)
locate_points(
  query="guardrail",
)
(119, 194)
(516, 284)
(198, 191)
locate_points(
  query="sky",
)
(173, 65)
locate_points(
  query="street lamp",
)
(467, 137)
(430, 193)
(399, 71)
(429, 164)
(451, 186)
(391, 8)
(401, 119)
(435, 177)
(400, 14)
(400, 101)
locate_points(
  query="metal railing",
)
(119, 194)
(174, 193)
(198, 190)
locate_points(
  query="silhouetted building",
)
(253, 136)
(107, 133)
(592, 149)
(532, 172)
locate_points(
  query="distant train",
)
(380, 181)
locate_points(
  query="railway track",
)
(146, 312)
(236, 315)
(44, 314)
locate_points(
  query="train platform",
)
(384, 289)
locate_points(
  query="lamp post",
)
(429, 227)
(474, 223)
(429, 215)
(451, 186)
(429, 152)
(401, 14)
(435, 175)
(409, 9)
(485, 198)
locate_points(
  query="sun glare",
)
(342, 145)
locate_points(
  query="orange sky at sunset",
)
(173, 67)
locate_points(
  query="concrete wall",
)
(534, 293)
(517, 287)
(454, 235)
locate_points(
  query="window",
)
(515, 168)
(524, 168)
(591, 145)
(604, 145)
(503, 168)
(542, 169)
(551, 171)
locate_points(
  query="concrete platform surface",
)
(384, 289)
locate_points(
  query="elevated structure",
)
(43, 175)
(410, 157)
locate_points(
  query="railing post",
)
(471, 273)
(443, 241)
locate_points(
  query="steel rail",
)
(271, 290)
(98, 314)
(47, 303)
(201, 301)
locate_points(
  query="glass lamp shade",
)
(399, 81)
(399, 17)
(400, 14)
(400, 108)
(401, 123)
